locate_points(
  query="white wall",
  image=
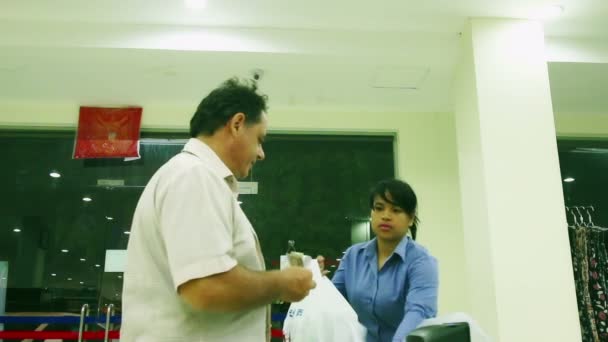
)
(425, 156)
(577, 125)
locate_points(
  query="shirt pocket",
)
(245, 249)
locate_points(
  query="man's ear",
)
(236, 122)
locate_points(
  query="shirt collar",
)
(206, 154)
(371, 247)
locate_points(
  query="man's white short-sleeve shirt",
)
(188, 225)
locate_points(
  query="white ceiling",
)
(331, 54)
(582, 17)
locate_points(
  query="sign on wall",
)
(108, 132)
(116, 260)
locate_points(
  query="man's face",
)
(248, 146)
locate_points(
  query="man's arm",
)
(242, 289)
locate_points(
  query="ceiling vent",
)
(399, 78)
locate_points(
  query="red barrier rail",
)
(58, 335)
(276, 333)
(70, 335)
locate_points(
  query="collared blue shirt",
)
(392, 301)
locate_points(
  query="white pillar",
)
(519, 270)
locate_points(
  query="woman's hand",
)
(321, 262)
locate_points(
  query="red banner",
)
(108, 132)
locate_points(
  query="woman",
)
(390, 281)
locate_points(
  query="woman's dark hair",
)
(401, 195)
(233, 96)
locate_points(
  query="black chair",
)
(449, 332)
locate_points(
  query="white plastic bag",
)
(323, 316)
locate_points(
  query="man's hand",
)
(295, 283)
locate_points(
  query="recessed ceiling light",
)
(17, 230)
(196, 4)
(109, 218)
(83, 259)
(569, 180)
(127, 232)
(64, 251)
(97, 265)
(87, 199)
(55, 174)
(119, 277)
(70, 279)
(240, 202)
(53, 274)
(82, 283)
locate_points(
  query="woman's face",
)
(389, 222)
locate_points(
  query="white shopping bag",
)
(297, 259)
(323, 316)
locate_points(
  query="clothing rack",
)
(589, 252)
(579, 219)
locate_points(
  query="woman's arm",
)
(421, 299)
(339, 278)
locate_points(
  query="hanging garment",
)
(578, 249)
(597, 281)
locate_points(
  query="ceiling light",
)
(196, 4)
(17, 230)
(64, 251)
(87, 199)
(119, 277)
(240, 202)
(109, 218)
(55, 174)
(569, 180)
(127, 232)
(83, 259)
(53, 274)
(82, 283)
(97, 265)
(69, 279)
